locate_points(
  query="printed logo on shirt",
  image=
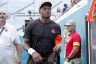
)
(53, 31)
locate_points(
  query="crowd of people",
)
(65, 8)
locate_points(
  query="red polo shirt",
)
(73, 39)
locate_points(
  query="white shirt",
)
(8, 38)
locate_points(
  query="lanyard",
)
(1, 31)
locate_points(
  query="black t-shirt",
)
(42, 36)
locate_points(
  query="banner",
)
(92, 12)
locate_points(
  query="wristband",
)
(30, 51)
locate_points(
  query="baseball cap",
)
(70, 22)
(45, 3)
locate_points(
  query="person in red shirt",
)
(73, 44)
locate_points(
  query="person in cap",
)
(39, 37)
(73, 44)
(9, 41)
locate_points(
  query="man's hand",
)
(67, 59)
(57, 47)
(51, 57)
(50, 60)
(18, 60)
(37, 57)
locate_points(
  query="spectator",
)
(9, 40)
(74, 2)
(30, 16)
(73, 44)
(29, 19)
(58, 10)
(65, 8)
(58, 13)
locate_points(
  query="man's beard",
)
(46, 17)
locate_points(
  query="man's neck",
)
(2, 25)
(45, 20)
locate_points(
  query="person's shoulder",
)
(53, 22)
(10, 26)
(76, 34)
(33, 24)
(56, 24)
(35, 21)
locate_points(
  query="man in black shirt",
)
(39, 37)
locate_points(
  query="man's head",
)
(45, 9)
(3, 17)
(65, 5)
(70, 25)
